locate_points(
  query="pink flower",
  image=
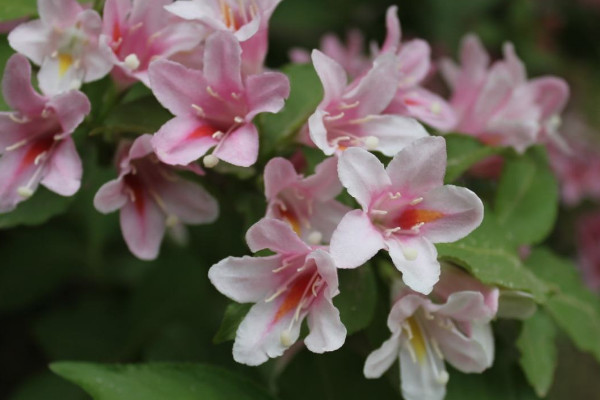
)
(151, 198)
(247, 20)
(214, 107)
(588, 238)
(425, 333)
(141, 31)
(352, 115)
(35, 139)
(65, 43)
(405, 209)
(297, 282)
(497, 104)
(308, 204)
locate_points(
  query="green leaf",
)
(143, 115)
(463, 152)
(36, 210)
(574, 308)
(357, 298)
(489, 256)
(17, 9)
(305, 94)
(527, 198)
(234, 314)
(538, 352)
(47, 386)
(159, 381)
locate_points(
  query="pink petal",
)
(419, 273)
(414, 60)
(143, 226)
(110, 197)
(324, 184)
(327, 333)
(189, 201)
(419, 167)
(183, 140)
(381, 360)
(70, 108)
(326, 216)
(17, 90)
(551, 94)
(425, 106)
(63, 170)
(53, 82)
(362, 174)
(223, 63)
(465, 306)
(422, 380)
(240, 147)
(191, 9)
(332, 76)
(141, 147)
(279, 174)
(246, 279)
(15, 172)
(58, 12)
(31, 39)
(394, 34)
(275, 235)
(355, 241)
(472, 354)
(318, 132)
(327, 270)
(266, 92)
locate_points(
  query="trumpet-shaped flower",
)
(405, 209)
(152, 197)
(214, 107)
(141, 31)
(35, 139)
(65, 43)
(246, 19)
(497, 104)
(424, 334)
(351, 115)
(297, 282)
(308, 204)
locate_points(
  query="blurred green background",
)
(70, 290)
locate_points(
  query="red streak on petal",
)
(293, 296)
(414, 216)
(201, 132)
(116, 37)
(291, 219)
(36, 148)
(412, 102)
(137, 188)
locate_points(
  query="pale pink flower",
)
(152, 197)
(497, 104)
(141, 31)
(425, 333)
(297, 282)
(351, 115)
(65, 43)
(35, 139)
(214, 107)
(405, 209)
(247, 19)
(588, 248)
(308, 204)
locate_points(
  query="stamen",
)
(132, 62)
(25, 192)
(199, 110)
(46, 113)
(136, 27)
(410, 253)
(211, 92)
(334, 117)
(362, 120)
(436, 348)
(236, 96)
(417, 227)
(210, 161)
(371, 142)
(416, 201)
(391, 231)
(315, 237)
(378, 212)
(218, 135)
(394, 196)
(276, 294)
(315, 286)
(17, 145)
(436, 108)
(345, 106)
(39, 157)
(14, 118)
(238, 119)
(285, 338)
(172, 221)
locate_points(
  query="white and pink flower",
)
(298, 282)
(152, 198)
(35, 139)
(65, 43)
(307, 204)
(214, 107)
(405, 209)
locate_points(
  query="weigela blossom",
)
(298, 282)
(351, 115)
(35, 139)
(152, 197)
(405, 209)
(588, 237)
(141, 31)
(66, 43)
(247, 19)
(308, 204)
(497, 104)
(455, 328)
(214, 107)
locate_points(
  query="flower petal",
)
(275, 235)
(414, 60)
(279, 174)
(362, 174)
(318, 132)
(16, 87)
(551, 94)
(326, 216)
(424, 380)
(143, 226)
(223, 63)
(63, 170)
(324, 184)
(332, 76)
(472, 354)
(394, 34)
(183, 140)
(240, 147)
(425, 106)
(266, 92)
(355, 240)
(381, 360)
(31, 39)
(421, 269)
(327, 333)
(110, 197)
(189, 201)
(58, 12)
(70, 108)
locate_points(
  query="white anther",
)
(285, 338)
(416, 201)
(443, 378)
(417, 226)
(554, 122)
(236, 96)
(379, 212)
(132, 62)
(75, 85)
(390, 232)
(199, 110)
(210, 161)
(39, 158)
(345, 106)
(334, 117)
(218, 135)
(18, 120)
(410, 253)
(54, 54)
(436, 107)
(371, 142)
(362, 120)
(238, 119)
(45, 113)
(25, 192)
(172, 221)
(394, 196)
(16, 145)
(315, 237)
(211, 92)
(276, 294)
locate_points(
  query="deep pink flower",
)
(497, 104)
(35, 139)
(247, 20)
(214, 107)
(141, 31)
(297, 282)
(588, 248)
(454, 328)
(152, 197)
(405, 209)
(351, 115)
(65, 43)
(308, 204)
